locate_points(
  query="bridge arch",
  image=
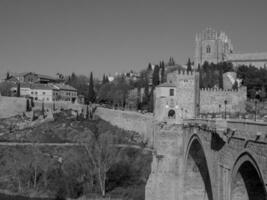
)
(197, 183)
(246, 179)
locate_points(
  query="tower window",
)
(208, 49)
(171, 92)
(171, 114)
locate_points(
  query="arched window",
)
(208, 49)
(171, 114)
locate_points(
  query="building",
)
(66, 92)
(30, 77)
(39, 92)
(215, 47)
(180, 97)
(47, 92)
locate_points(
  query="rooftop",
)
(37, 86)
(248, 56)
(62, 86)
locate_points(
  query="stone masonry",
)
(202, 159)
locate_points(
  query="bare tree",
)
(102, 154)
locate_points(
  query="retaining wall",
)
(10, 106)
(129, 120)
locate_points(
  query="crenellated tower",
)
(179, 97)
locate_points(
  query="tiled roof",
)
(36, 86)
(62, 86)
(46, 77)
(248, 57)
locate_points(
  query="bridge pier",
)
(167, 169)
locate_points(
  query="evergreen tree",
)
(163, 78)
(151, 101)
(149, 68)
(171, 62)
(221, 78)
(146, 89)
(7, 76)
(105, 79)
(189, 65)
(155, 77)
(18, 89)
(201, 85)
(28, 107)
(91, 92)
(235, 86)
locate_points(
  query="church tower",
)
(212, 47)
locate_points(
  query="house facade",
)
(66, 92)
(47, 92)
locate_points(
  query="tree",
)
(171, 62)
(163, 75)
(91, 91)
(146, 90)
(149, 66)
(155, 77)
(189, 65)
(235, 85)
(28, 107)
(221, 78)
(151, 101)
(18, 89)
(102, 153)
(7, 76)
(105, 79)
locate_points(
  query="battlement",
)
(182, 74)
(214, 90)
(186, 73)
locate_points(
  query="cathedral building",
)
(215, 47)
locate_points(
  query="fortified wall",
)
(10, 106)
(213, 100)
(128, 120)
(188, 100)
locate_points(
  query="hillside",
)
(69, 171)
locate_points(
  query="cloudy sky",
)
(107, 36)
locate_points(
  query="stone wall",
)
(10, 106)
(66, 105)
(128, 120)
(210, 99)
(187, 90)
(199, 159)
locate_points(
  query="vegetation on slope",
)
(72, 171)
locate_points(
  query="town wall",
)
(66, 105)
(10, 106)
(210, 99)
(128, 120)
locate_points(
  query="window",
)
(208, 49)
(43, 93)
(36, 92)
(31, 92)
(171, 92)
(171, 114)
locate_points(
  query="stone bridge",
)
(200, 158)
(209, 159)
